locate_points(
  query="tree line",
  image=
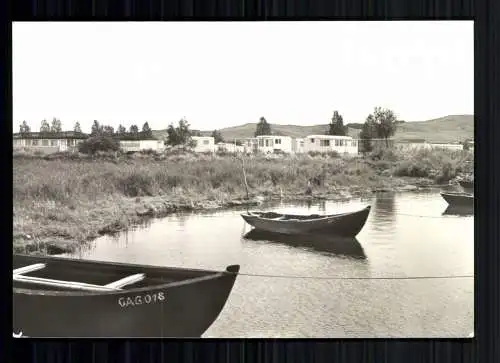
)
(380, 124)
(97, 129)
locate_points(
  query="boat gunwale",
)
(458, 194)
(321, 218)
(210, 275)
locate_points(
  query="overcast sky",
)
(222, 74)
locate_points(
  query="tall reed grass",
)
(208, 176)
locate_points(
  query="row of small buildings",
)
(284, 144)
(68, 141)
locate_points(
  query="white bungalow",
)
(229, 147)
(203, 144)
(454, 147)
(141, 145)
(250, 145)
(298, 145)
(48, 143)
(272, 143)
(328, 143)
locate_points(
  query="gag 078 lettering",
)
(153, 298)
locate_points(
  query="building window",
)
(45, 142)
(312, 141)
(53, 142)
(27, 142)
(324, 142)
(269, 143)
(302, 143)
(35, 142)
(337, 142)
(206, 142)
(277, 141)
(261, 142)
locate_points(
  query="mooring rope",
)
(424, 216)
(357, 278)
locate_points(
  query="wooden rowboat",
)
(114, 299)
(458, 199)
(344, 224)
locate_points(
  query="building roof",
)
(51, 135)
(271, 136)
(328, 137)
(136, 140)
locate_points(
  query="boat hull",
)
(179, 308)
(342, 225)
(459, 199)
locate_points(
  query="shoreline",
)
(63, 202)
(140, 211)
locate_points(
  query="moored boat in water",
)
(461, 199)
(62, 297)
(343, 224)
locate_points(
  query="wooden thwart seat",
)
(132, 279)
(113, 286)
(30, 268)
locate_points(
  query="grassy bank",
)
(60, 201)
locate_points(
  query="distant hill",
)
(444, 129)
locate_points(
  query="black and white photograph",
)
(284, 179)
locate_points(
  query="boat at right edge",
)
(459, 199)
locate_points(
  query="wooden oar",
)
(113, 286)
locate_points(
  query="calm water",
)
(405, 235)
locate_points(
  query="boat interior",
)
(283, 217)
(58, 274)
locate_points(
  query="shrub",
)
(98, 143)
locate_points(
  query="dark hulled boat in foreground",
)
(114, 299)
(344, 224)
(458, 199)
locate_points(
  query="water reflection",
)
(463, 211)
(383, 211)
(349, 247)
(405, 235)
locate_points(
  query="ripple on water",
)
(405, 235)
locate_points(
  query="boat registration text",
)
(141, 299)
